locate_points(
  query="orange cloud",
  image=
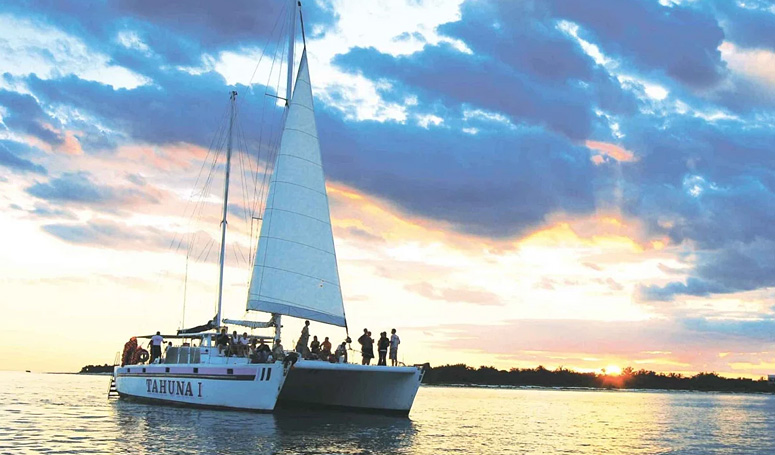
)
(611, 150)
(179, 155)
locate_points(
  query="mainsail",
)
(295, 271)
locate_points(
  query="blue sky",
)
(524, 167)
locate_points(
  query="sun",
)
(612, 370)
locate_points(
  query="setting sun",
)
(612, 370)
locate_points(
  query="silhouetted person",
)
(382, 348)
(314, 346)
(325, 349)
(394, 342)
(368, 348)
(341, 353)
(301, 346)
(234, 344)
(277, 351)
(362, 342)
(222, 342)
(155, 344)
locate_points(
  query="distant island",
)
(562, 377)
(97, 369)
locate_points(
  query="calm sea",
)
(43, 413)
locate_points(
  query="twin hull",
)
(250, 387)
(260, 387)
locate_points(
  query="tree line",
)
(462, 374)
(97, 369)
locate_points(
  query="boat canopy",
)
(295, 271)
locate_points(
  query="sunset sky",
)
(522, 183)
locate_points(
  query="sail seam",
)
(305, 107)
(258, 299)
(302, 132)
(298, 243)
(297, 213)
(297, 273)
(303, 159)
(301, 186)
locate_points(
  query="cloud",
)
(493, 184)
(749, 24)
(11, 160)
(26, 48)
(736, 267)
(692, 344)
(78, 188)
(454, 294)
(109, 234)
(25, 116)
(680, 40)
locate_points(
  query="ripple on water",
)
(69, 414)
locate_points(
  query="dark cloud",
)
(444, 73)
(108, 234)
(735, 267)
(78, 188)
(180, 32)
(13, 161)
(24, 115)
(710, 184)
(179, 107)
(752, 25)
(681, 40)
(497, 184)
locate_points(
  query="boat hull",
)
(388, 390)
(247, 387)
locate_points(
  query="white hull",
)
(253, 387)
(259, 387)
(358, 387)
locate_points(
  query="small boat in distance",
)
(294, 274)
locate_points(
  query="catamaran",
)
(294, 274)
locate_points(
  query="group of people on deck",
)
(317, 350)
(245, 346)
(254, 347)
(383, 344)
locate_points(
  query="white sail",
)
(295, 271)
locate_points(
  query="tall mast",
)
(291, 38)
(233, 98)
(276, 318)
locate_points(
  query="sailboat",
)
(294, 274)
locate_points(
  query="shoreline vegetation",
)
(461, 374)
(96, 369)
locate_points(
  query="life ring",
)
(143, 355)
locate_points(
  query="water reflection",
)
(70, 414)
(144, 428)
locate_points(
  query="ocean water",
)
(46, 413)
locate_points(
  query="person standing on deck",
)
(394, 342)
(382, 348)
(155, 344)
(301, 346)
(362, 342)
(368, 349)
